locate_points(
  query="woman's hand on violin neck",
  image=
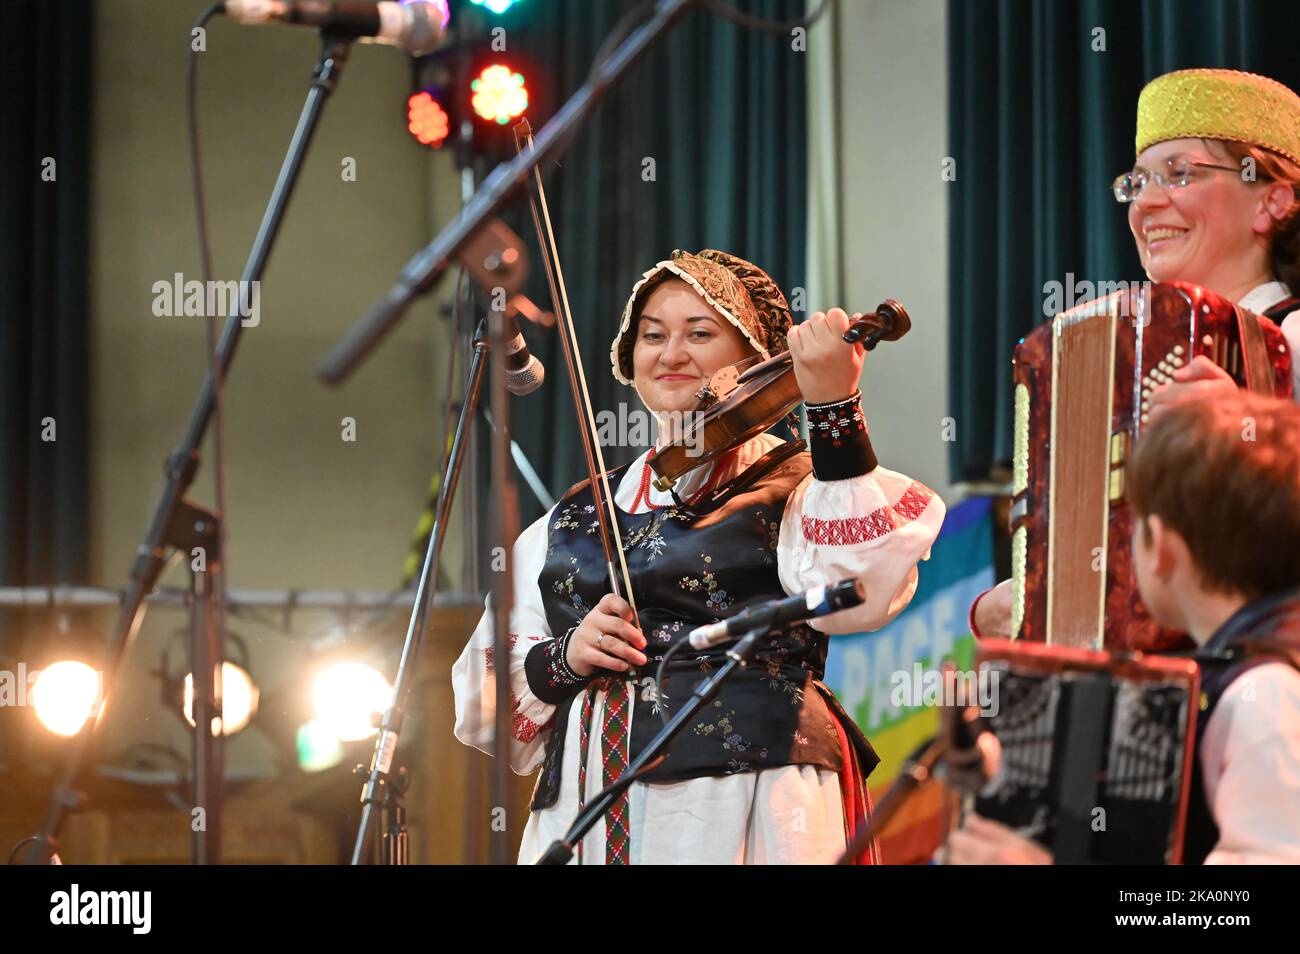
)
(606, 639)
(825, 365)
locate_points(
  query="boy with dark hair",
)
(1215, 490)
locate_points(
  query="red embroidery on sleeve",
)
(523, 728)
(875, 524)
(489, 654)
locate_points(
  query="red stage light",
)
(499, 94)
(426, 119)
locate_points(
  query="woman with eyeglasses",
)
(1213, 199)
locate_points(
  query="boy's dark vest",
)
(688, 569)
(1267, 630)
(1281, 310)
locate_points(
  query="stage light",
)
(65, 695)
(499, 94)
(494, 6)
(238, 699)
(426, 119)
(345, 695)
(318, 747)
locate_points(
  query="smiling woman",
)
(1222, 150)
(1213, 199)
(774, 770)
(680, 343)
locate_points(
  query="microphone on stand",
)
(818, 601)
(417, 26)
(524, 373)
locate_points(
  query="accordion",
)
(1097, 750)
(1082, 382)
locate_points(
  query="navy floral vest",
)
(688, 569)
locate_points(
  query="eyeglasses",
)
(1180, 172)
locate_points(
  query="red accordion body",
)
(1081, 381)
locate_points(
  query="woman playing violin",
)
(773, 770)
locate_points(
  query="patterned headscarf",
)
(738, 290)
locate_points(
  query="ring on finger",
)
(600, 639)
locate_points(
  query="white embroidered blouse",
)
(876, 526)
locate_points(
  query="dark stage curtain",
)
(45, 95)
(1040, 123)
(721, 111)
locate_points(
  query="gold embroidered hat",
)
(1220, 104)
(738, 290)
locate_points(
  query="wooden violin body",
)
(738, 405)
(733, 412)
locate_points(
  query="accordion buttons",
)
(1178, 350)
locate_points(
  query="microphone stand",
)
(506, 530)
(377, 789)
(561, 851)
(496, 259)
(177, 523)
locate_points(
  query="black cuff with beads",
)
(550, 677)
(837, 437)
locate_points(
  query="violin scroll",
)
(888, 322)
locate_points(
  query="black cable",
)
(622, 27)
(451, 372)
(762, 24)
(218, 593)
(14, 854)
(660, 695)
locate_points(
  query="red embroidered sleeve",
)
(848, 530)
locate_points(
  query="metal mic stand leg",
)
(160, 538)
(503, 590)
(205, 671)
(376, 789)
(561, 851)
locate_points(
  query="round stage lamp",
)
(65, 695)
(494, 6)
(426, 119)
(345, 695)
(238, 699)
(499, 94)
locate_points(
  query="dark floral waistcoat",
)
(688, 569)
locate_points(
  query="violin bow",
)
(611, 540)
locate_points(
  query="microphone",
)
(818, 601)
(417, 26)
(524, 373)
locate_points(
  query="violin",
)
(744, 399)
